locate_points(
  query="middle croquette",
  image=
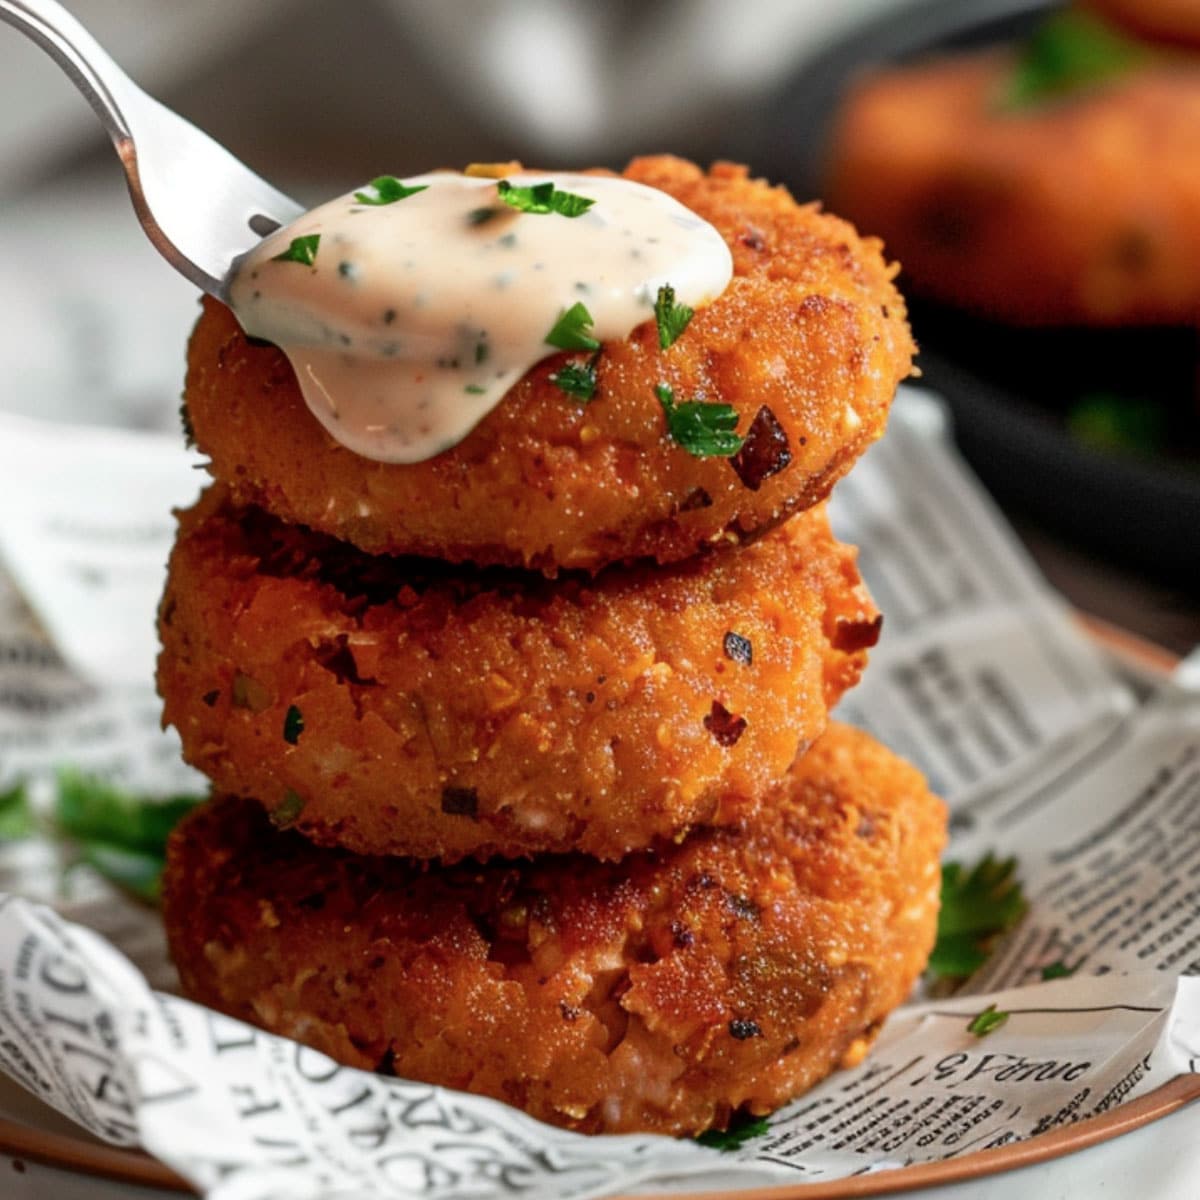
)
(404, 706)
(662, 993)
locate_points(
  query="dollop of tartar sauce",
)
(416, 316)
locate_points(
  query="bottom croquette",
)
(664, 993)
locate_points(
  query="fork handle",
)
(84, 60)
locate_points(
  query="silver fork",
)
(198, 204)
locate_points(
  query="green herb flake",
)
(302, 250)
(481, 216)
(1057, 970)
(987, 1021)
(703, 429)
(474, 389)
(387, 190)
(978, 905)
(288, 810)
(570, 331)
(1067, 53)
(16, 817)
(577, 379)
(293, 725)
(543, 198)
(672, 319)
(736, 1136)
(121, 835)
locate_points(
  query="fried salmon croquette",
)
(660, 994)
(401, 706)
(807, 343)
(1079, 210)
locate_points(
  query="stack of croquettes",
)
(524, 782)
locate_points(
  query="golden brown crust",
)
(1084, 210)
(811, 328)
(449, 711)
(660, 994)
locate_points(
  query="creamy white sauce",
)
(417, 316)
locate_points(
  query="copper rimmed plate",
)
(28, 1129)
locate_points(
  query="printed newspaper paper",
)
(982, 678)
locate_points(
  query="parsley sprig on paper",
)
(736, 1136)
(121, 835)
(978, 905)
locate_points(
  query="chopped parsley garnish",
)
(302, 250)
(570, 331)
(577, 379)
(543, 198)
(703, 429)
(1068, 52)
(288, 809)
(978, 905)
(1057, 970)
(387, 190)
(474, 389)
(121, 835)
(672, 319)
(987, 1021)
(293, 725)
(736, 1136)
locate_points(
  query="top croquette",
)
(807, 343)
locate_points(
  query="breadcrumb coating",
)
(403, 706)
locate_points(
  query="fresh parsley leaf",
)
(122, 835)
(987, 1021)
(388, 189)
(293, 725)
(577, 379)
(543, 198)
(672, 319)
(302, 250)
(1057, 970)
(570, 331)
(16, 817)
(736, 1136)
(703, 429)
(977, 906)
(1068, 52)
